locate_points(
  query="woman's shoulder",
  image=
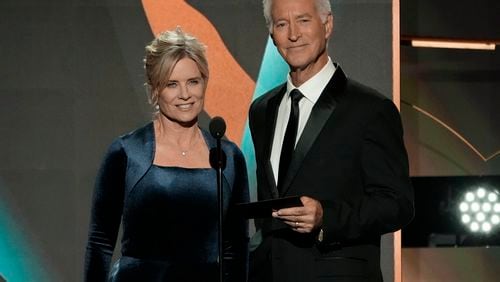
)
(143, 131)
(229, 147)
(137, 137)
(226, 143)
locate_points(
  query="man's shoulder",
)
(264, 98)
(363, 97)
(364, 92)
(366, 99)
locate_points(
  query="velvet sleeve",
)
(236, 230)
(107, 205)
(387, 201)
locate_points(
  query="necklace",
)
(184, 152)
(176, 147)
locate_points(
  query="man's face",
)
(299, 33)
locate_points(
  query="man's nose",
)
(293, 32)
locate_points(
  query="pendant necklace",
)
(185, 152)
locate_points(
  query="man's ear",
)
(328, 26)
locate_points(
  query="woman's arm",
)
(107, 205)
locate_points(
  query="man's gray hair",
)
(323, 6)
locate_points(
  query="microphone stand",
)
(220, 208)
(217, 129)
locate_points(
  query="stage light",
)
(480, 216)
(469, 197)
(486, 207)
(480, 210)
(496, 207)
(492, 197)
(486, 227)
(474, 226)
(464, 207)
(480, 192)
(465, 218)
(451, 43)
(495, 219)
(455, 211)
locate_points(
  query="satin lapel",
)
(271, 117)
(140, 149)
(320, 113)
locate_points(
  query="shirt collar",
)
(312, 88)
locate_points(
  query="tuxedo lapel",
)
(271, 117)
(320, 113)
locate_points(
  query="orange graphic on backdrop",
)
(230, 88)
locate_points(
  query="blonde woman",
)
(157, 181)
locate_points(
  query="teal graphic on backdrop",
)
(272, 73)
(18, 262)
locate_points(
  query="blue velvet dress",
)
(168, 214)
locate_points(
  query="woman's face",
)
(182, 99)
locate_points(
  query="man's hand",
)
(304, 219)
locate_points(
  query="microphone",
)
(217, 157)
(217, 127)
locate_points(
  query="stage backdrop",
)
(449, 106)
(71, 80)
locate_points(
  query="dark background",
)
(71, 80)
(461, 88)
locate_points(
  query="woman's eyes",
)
(191, 82)
(172, 84)
(194, 82)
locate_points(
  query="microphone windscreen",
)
(214, 159)
(217, 127)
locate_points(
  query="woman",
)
(158, 181)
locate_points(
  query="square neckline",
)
(205, 140)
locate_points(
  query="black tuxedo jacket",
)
(351, 157)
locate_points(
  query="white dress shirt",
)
(311, 89)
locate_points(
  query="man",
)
(336, 143)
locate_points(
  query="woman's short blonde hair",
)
(163, 53)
